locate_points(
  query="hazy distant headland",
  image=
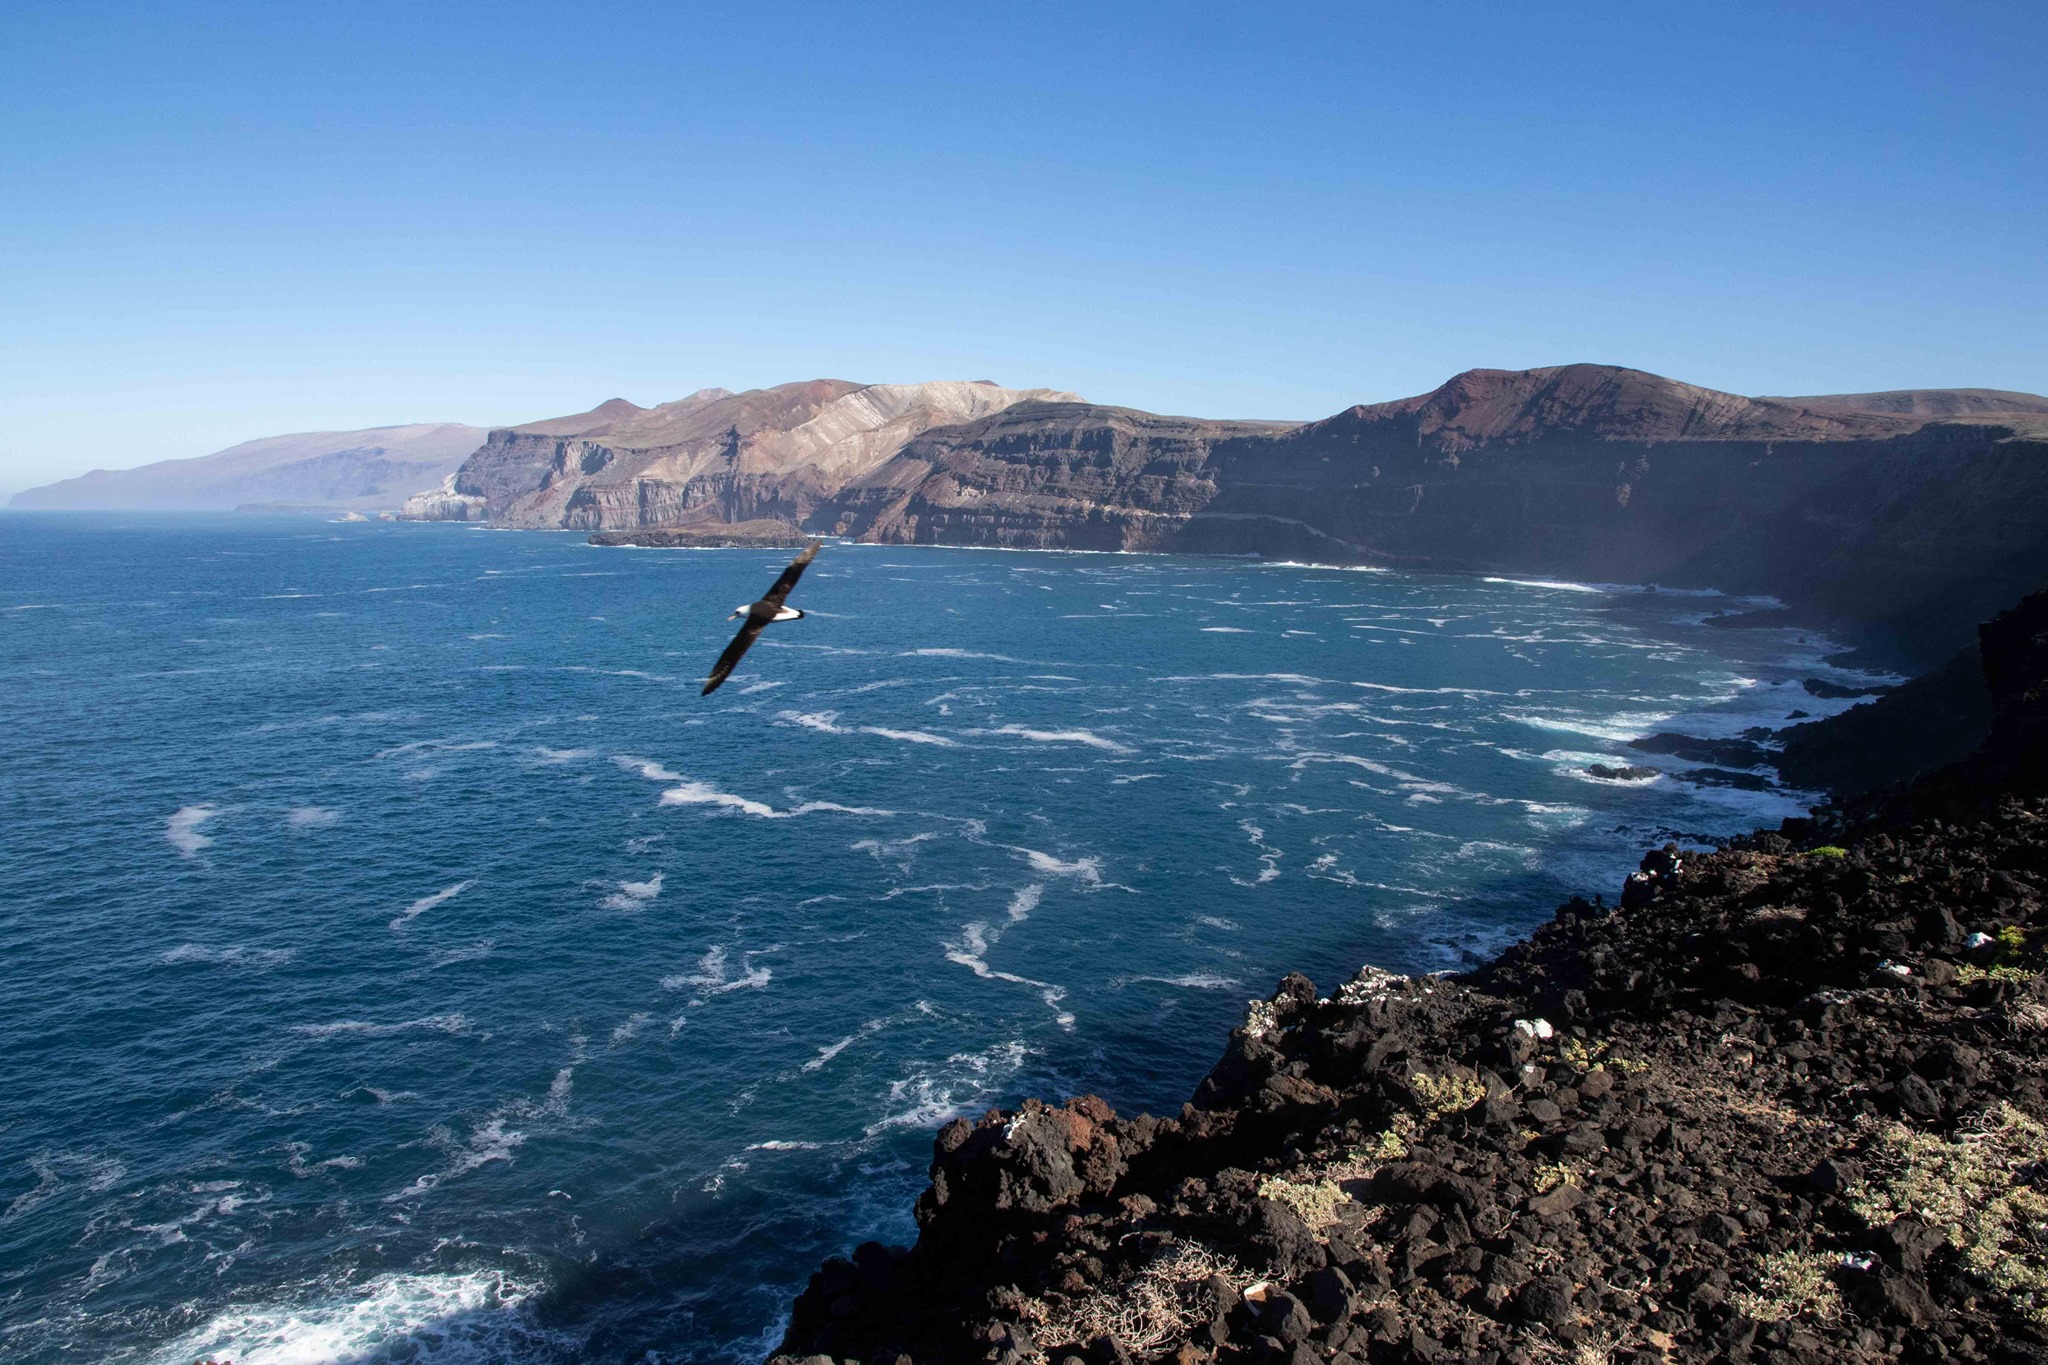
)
(363, 471)
(1895, 518)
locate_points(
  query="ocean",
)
(403, 963)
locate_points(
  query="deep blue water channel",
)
(403, 963)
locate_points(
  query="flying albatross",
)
(758, 615)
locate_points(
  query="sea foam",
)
(182, 828)
(466, 1318)
(426, 903)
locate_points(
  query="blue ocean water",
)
(403, 963)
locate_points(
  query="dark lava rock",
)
(1827, 691)
(1732, 753)
(1723, 777)
(1629, 774)
(1416, 1182)
(1546, 1299)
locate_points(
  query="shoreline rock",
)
(1688, 1131)
(718, 535)
(1790, 1104)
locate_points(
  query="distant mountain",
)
(1929, 402)
(714, 456)
(357, 470)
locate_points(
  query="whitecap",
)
(910, 736)
(1194, 981)
(477, 1315)
(701, 794)
(713, 977)
(455, 1024)
(439, 746)
(961, 654)
(232, 956)
(495, 1139)
(1552, 584)
(182, 828)
(930, 1095)
(903, 849)
(633, 895)
(647, 768)
(312, 817)
(426, 903)
(1087, 869)
(1224, 630)
(1087, 737)
(1025, 901)
(832, 1050)
(828, 723)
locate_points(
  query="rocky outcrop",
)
(772, 454)
(442, 504)
(1935, 720)
(1787, 1102)
(358, 470)
(708, 535)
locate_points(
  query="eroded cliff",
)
(772, 454)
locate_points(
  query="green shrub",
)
(1441, 1095)
(1791, 1284)
(1974, 1190)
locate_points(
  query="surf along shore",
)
(1790, 1105)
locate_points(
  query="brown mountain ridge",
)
(1888, 516)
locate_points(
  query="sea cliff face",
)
(1894, 519)
(1042, 475)
(1896, 527)
(715, 456)
(1788, 1102)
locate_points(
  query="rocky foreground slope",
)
(1789, 1104)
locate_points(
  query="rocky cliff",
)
(1893, 518)
(356, 470)
(714, 456)
(1898, 518)
(1066, 475)
(1789, 1102)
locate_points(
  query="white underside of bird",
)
(781, 613)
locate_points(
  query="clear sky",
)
(226, 220)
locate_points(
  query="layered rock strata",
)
(714, 456)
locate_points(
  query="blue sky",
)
(229, 220)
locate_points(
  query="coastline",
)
(1785, 1102)
(1673, 1131)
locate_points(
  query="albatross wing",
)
(741, 643)
(776, 595)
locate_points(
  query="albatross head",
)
(739, 611)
